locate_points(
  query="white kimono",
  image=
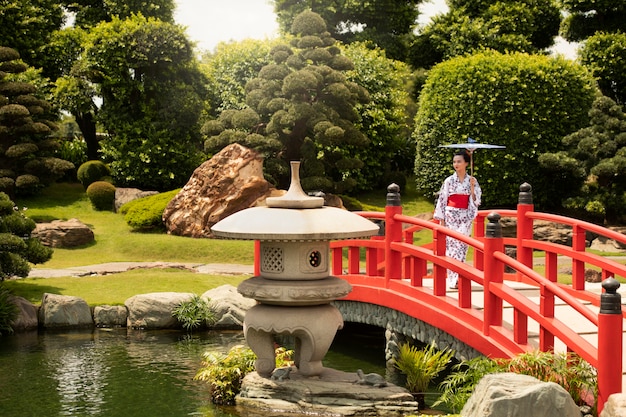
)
(457, 219)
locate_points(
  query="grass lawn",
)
(116, 242)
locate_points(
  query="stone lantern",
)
(294, 290)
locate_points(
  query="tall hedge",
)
(527, 103)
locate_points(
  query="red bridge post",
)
(524, 225)
(610, 327)
(393, 233)
(493, 272)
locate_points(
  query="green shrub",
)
(421, 366)
(102, 195)
(194, 313)
(568, 370)
(527, 103)
(92, 171)
(459, 385)
(18, 249)
(225, 373)
(147, 212)
(8, 310)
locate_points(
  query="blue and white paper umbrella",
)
(471, 145)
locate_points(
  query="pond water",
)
(131, 373)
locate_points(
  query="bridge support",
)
(610, 328)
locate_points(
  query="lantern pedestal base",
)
(313, 327)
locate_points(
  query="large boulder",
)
(333, 393)
(154, 310)
(26, 316)
(615, 406)
(515, 395)
(63, 233)
(64, 311)
(229, 182)
(110, 316)
(229, 306)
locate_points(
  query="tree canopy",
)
(300, 107)
(471, 26)
(389, 24)
(586, 17)
(592, 164)
(151, 91)
(526, 103)
(605, 55)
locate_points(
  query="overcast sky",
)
(209, 22)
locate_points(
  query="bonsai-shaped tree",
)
(593, 164)
(17, 247)
(27, 161)
(300, 107)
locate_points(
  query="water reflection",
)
(107, 373)
(133, 373)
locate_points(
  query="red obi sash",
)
(458, 200)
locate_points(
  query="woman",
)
(457, 207)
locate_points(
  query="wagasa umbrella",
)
(471, 145)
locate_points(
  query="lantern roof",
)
(294, 216)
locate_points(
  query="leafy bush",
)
(421, 366)
(459, 385)
(8, 310)
(225, 373)
(568, 370)
(592, 165)
(147, 212)
(17, 248)
(527, 103)
(194, 313)
(102, 195)
(92, 171)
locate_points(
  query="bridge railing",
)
(391, 270)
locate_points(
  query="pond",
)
(134, 373)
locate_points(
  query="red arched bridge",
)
(489, 312)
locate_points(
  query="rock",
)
(604, 244)
(229, 182)
(591, 275)
(110, 316)
(615, 406)
(229, 306)
(332, 393)
(125, 195)
(154, 310)
(63, 234)
(515, 395)
(63, 311)
(27, 315)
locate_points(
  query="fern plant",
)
(421, 367)
(194, 313)
(568, 370)
(225, 372)
(459, 385)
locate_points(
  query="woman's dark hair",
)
(464, 154)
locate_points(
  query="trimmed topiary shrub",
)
(102, 195)
(527, 103)
(18, 249)
(92, 171)
(147, 212)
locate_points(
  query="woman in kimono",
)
(457, 207)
